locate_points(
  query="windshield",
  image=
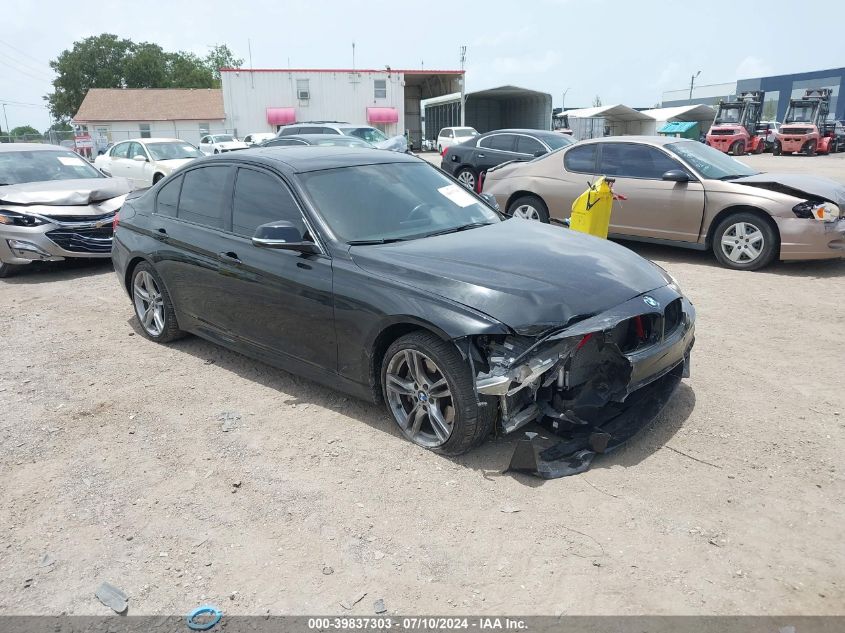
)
(728, 114)
(172, 151)
(369, 134)
(708, 162)
(223, 138)
(41, 165)
(394, 201)
(465, 132)
(801, 113)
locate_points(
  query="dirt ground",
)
(115, 465)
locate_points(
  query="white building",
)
(109, 115)
(262, 100)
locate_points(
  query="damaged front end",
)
(595, 383)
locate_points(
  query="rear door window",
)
(581, 159)
(121, 150)
(261, 198)
(167, 200)
(501, 142)
(202, 200)
(632, 160)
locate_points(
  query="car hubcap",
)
(467, 179)
(419, 398)
(527, 212)
(742, 242)
(149, 304)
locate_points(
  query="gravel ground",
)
(116, 466)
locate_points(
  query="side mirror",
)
(284, 236)
(676, 175)
(139, 158)
(539, 152)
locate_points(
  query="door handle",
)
(482, 156)
(229, 257)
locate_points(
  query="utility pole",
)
(251, 72)
(353, 57)
(692, 83)
(563, 100)
(463, 85)
(5, 118)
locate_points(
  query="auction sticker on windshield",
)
(458, 195)
(70, 161)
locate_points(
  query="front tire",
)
(745, 241)
(153, 305)
(529, 208)
(760, 147)
(810, 148)
(777, 149)
(467, 177)
(738, 148)
(429, 391)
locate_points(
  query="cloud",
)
(751, 67)
(530, 64)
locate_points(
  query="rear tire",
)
(451, 406)
(811, 148)
(738, 148)
(7, 270)
(745, 241)
(467, 177)
(147, 288)
(529, 208)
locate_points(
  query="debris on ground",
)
(327, 571)
(229, 420)
(509, 509)
(112, 597)
(28, 583)
(47, 561)
(203, 618)
(235, 485)
(348, 604)
(378, 606)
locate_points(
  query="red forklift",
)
(734, 130)
(806, 128)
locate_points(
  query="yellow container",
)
(591, 210)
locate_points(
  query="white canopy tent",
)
(700, 113)
(613, 120)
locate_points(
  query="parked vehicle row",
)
(371, 135)
(145, 161)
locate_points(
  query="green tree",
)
(186, 70)
(221, 57)
(145, 66)
(25, 129)
(61, 126)
(94, 62)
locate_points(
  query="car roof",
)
(519, 131)
(458, 127)
(144, 141)
(320, 137)
(649, 140)
(30, 147)
(312, 158)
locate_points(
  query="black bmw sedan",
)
(377, 274)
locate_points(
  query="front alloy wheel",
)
(745, 241)
(420, 399)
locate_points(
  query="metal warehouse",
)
(779, 90)
(493, 109)
(262, 100)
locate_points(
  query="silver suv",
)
(372, 135)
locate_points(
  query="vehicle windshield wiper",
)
(456, 229)
(386, 240)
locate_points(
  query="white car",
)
(453, 135)
(219, 143)
(145, 161)
(258, 137)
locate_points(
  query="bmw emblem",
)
(422, 397)
(651, 302)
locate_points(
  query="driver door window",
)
(261, 198)
(630, 160)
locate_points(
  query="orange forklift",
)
(806, 128)
(734, 130)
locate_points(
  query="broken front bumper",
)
(587, 382)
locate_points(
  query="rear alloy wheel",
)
(738, 148)
(529, 208)
(467, 178)
(153, 306)
(428, 390)
(744, 241)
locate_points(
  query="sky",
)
(622, 51)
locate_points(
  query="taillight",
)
(443, 153)
(115, 221)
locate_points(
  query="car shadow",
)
(50, 272)
(820, 268)
(491, 459)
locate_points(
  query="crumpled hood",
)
(798, 185)
(394, 144)
(80, 192)
(527, 275)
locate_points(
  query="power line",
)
(24, 53)
(27, 74)
(25, 65)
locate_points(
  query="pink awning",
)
(382, 115)
(281, 116)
